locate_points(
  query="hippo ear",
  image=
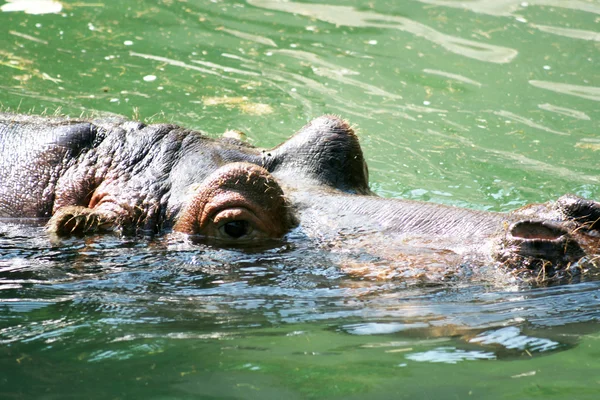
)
(326, 151)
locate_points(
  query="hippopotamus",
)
(115, 175)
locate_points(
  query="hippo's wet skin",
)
(112, 174)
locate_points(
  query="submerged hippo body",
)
(112, 174)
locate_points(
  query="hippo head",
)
(244, 201)
(151, 178)
(131, 177)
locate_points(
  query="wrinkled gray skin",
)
(51, 163)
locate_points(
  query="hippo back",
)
(35, 151)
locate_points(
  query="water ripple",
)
(523, 161)
(456, 77)
(569, 112)
(349, 16)
(527, 121)
(181, 64)
(336, 73)
(450, 355)
(507, 8)
(249, 36)
(569, 32)
(585, 92)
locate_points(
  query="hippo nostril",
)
(236, 229)
(536, 230)
(543, 240)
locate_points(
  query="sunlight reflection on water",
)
(35, 7)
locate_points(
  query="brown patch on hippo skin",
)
(102, 214)
(542, 250)
(405, 269)
(79, 220)
(412, 261)
(237, 204)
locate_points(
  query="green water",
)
(485, 104)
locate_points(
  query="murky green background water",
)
(486, 104)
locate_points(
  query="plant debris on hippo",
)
(90, 176)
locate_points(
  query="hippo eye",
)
(239, 205)
(236, 229)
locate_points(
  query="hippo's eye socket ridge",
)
(236, 229)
